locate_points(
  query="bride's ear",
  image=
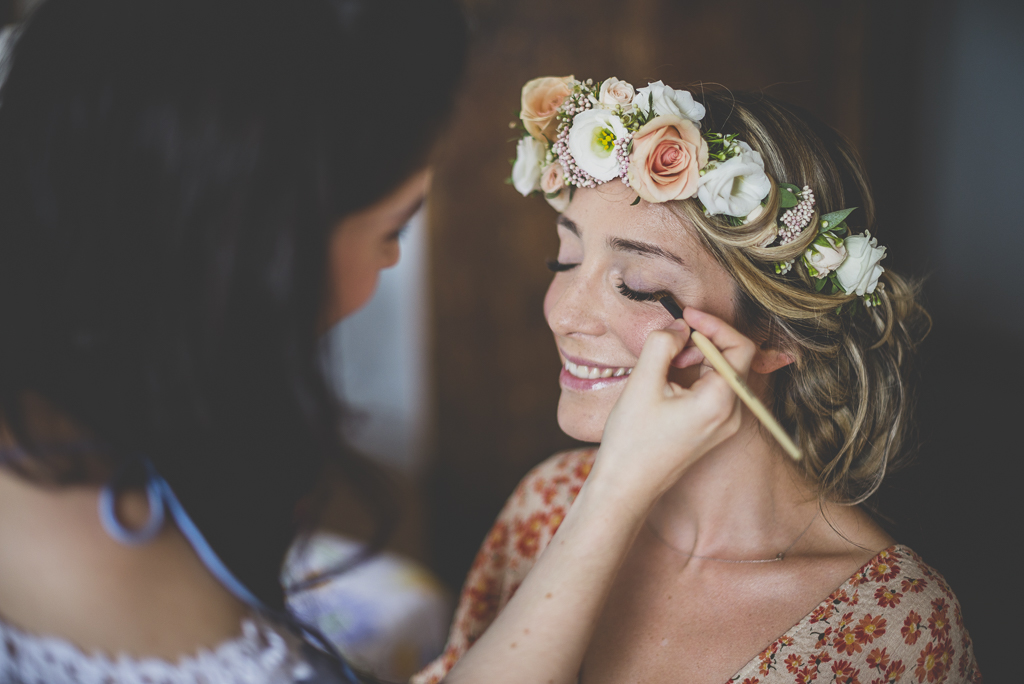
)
(768, 360)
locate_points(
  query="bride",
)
(753, 567)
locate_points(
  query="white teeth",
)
(593, 373)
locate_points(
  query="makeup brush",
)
(718, 362)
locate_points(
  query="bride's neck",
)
(742, 500)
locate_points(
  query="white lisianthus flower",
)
(526, 171)
(754, 214)
(860, 272)
(592, 142)
(825, 259)
(668, 102)
(736, 186)
(616, 93)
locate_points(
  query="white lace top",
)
(263, 654)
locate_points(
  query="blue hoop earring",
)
(116, 529)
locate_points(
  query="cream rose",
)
(592, 141)
(824, 259)
(668, 102)
(668, 153)
(860, 272)
(736, 186)
(526, 171)
(540, 102)
(552, 184)
(616, 93)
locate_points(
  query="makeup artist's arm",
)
(655, 432)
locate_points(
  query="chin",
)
(580, 423)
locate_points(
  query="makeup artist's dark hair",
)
(170, 174)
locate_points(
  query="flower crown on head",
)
(580, 134)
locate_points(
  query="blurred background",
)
(452, 374)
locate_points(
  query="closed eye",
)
(637, 296)
(556, 266)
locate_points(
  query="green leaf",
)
(635, 202)
(789, 186)
(832, 220)
(787, 199)
(820, 283)
(552, 195)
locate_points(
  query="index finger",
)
(736, 347)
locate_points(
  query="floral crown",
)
(581, 134)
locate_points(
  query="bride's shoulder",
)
(556, 480)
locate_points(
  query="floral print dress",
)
(894, 620)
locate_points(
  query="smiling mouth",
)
(593, 372)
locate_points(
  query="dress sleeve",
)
(523, 529)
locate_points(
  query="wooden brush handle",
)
(719, 363)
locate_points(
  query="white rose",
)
(668, 102)
(615, 92)
(861, 270)
(592, 142)
(526, 171)
(825, 259)
(736, 186)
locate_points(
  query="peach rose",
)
(552, 178)
(552, 183)
(668, 153)
(541, 99)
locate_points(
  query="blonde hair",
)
(846, 397)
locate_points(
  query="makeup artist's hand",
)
(659, 428)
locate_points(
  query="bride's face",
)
(612, 255)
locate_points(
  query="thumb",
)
(660, 347)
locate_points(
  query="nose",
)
(572, 304)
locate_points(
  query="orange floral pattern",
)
(894, 620)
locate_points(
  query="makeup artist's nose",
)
(571, 305)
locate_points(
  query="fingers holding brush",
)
(658, 427)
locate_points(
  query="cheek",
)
(355, 288)
(353, 276)
(634, 331)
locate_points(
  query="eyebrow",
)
(624, 245)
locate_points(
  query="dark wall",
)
(931, 95)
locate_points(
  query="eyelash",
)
(557, 266)
(629, 293)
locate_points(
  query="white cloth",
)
(263, 654)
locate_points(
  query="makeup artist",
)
(191, 191)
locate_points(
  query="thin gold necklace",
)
(781, 555)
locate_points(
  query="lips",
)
(581, 374)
